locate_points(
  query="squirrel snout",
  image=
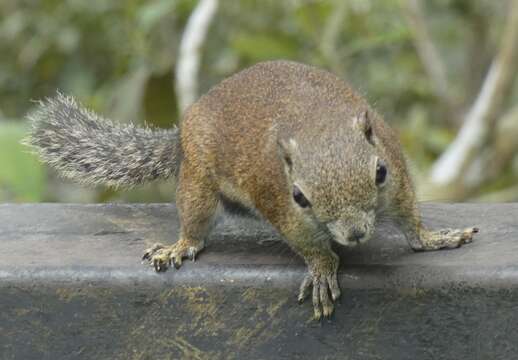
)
(348, 235)
(356, 235)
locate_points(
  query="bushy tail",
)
(90, 149)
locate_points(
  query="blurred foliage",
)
(118, 58)
(22, 177)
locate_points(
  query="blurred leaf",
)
(311, 18)
(264, 46)
(392, 36)
(126, 103)
(13, 25)
(438, 139)
(159, 101)
(22, 176)
(151, 13)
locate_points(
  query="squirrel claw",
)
(162, 257)
(191, 254)
(323, 286)
(177, 262)
(150, 251)
(305, 287)
(158, 265)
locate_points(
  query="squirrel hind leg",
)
(197, 203)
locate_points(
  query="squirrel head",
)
(336, 175)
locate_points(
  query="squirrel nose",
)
(357, 235)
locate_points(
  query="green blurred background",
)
(118, 58)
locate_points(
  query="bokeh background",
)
(441, 72)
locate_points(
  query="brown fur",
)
(230, 139)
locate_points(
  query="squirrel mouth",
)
(347, 237)
(356, 236)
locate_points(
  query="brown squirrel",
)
(293, 142)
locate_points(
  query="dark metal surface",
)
(72, 287)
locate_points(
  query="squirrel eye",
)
(381, 173)
(299, 197)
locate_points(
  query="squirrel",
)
(290, 141)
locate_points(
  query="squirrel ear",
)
(285, 149)
(363, 122)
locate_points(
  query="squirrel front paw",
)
(162, 257)
(323, 284)
(445, 238)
